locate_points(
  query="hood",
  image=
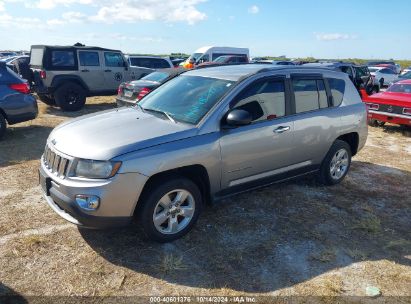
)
(108, 134)
(391, 98)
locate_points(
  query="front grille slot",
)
(55, 163)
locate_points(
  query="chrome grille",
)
(55, 163)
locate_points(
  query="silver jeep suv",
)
(202, 136)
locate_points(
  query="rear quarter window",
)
(62, 58)
(36, 57)
(337, 88)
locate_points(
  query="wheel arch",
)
(352, 139)
(60, 80)
(196, 173)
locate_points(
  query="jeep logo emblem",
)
(118, 76)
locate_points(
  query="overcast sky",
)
(296, 28)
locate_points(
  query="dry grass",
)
(296, 238)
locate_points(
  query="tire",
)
(3, 126)
(48, 100)
(376, 123)
(340, 155)
(160, 196)
(70, 96)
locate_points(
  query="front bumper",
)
(118, 198)
(393, 118)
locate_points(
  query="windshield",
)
(400, 88)
(195, 56)
(406, 75)
(156, 76)
(187, 98)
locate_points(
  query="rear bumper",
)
(19, 108)
(398, 119)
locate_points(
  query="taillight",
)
(373, 106)
(406, 111)
(20, 87)
(120, 90)
(143, 92)
(43, 74)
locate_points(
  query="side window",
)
(89, 58)
(62, 58)
(161, 64)
(113, 59)
(347, 70)
(310, 94)
(337, 87)
(265, 100)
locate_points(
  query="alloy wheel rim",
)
(339, 164)
(174, 211)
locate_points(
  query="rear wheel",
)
(170, 209)
(70, 97)
(3, 126)
(47, 99)
(336, 163)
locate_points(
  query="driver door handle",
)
(282, 129)
(107, 70)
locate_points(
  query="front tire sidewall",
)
(325, 174)
(62, 94)
(150, 199)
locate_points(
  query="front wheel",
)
(336, 163)
(170, 209)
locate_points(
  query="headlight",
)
(96, 169)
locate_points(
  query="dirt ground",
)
(295, 238)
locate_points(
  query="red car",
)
(393, 106)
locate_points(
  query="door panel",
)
(90, 69)
(256, 150)
(251, 150)
(114, 70)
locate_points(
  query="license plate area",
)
(45, 183)
(128, 93)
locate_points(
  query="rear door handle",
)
(282, 129)
(85, 70)
(107, 70)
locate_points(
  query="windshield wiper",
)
(161, 112)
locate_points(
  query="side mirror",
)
(238, 117)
